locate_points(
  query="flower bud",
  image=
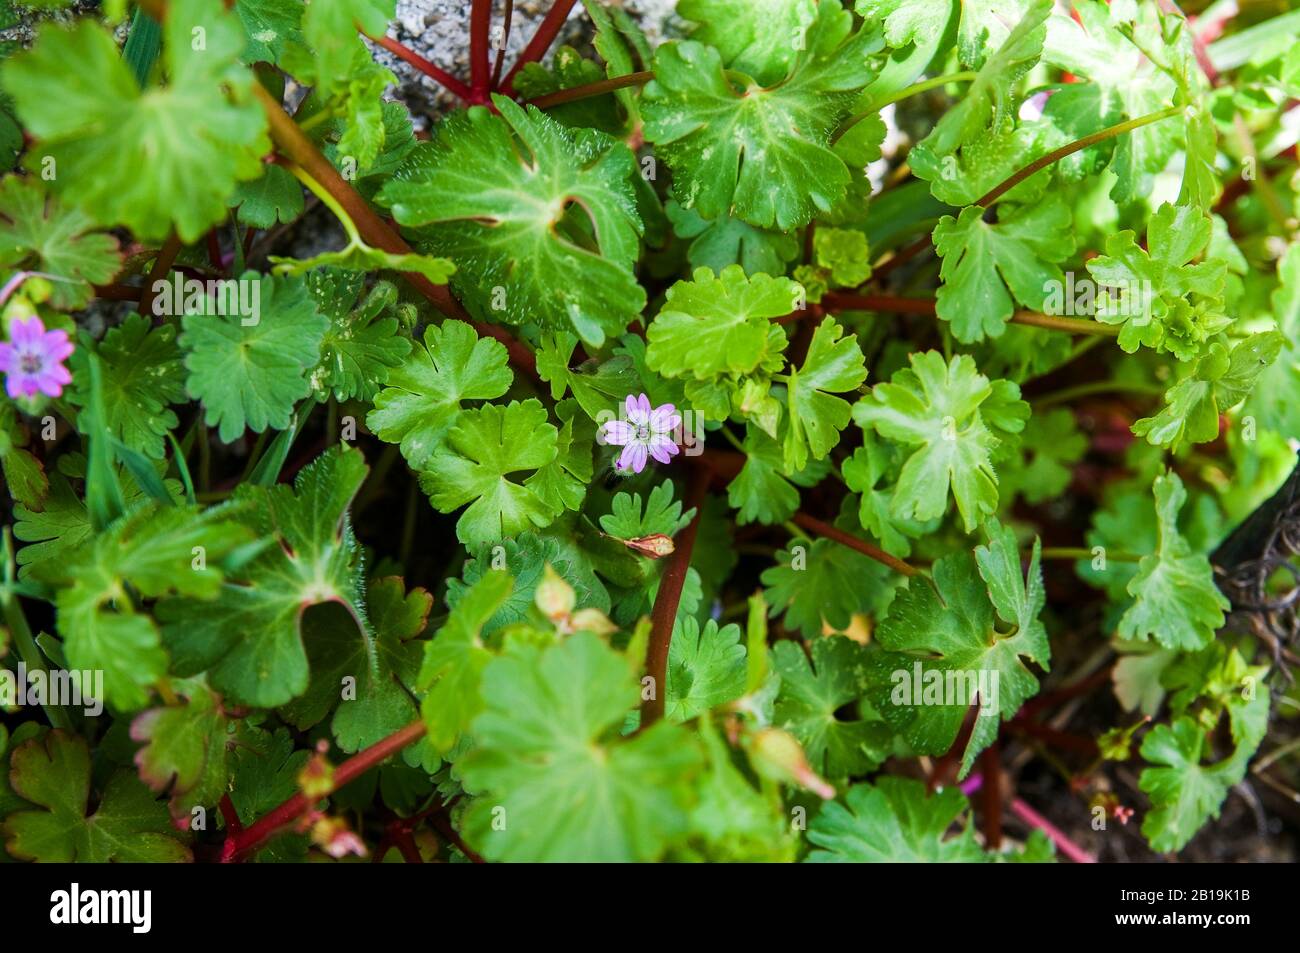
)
(554, 596)
(778, 756)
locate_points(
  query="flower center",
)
(31, 363)
(643, 433)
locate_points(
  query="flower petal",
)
(662, 449)
(617, 432)
(638, 456)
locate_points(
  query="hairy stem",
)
(546, 33)
(239, 844)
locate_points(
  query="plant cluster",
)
(663, 462)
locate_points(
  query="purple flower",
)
(33, 359)
(645, 433)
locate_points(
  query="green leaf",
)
(757, 37)
(184, 749)
(834, 364)
(810, 698)
(268, 25)
(249, 372)
(549, 759)
(1219, 380)
(1274, 398)
(143, 374)
(249, 638)
(1176, 598)
(1125, 84)
(988, 268)
(893, 821)
(726, 240)
(551, 241)
(1163, 300)
(843, 252)
(764, 490)
(149, 160)
(824, 583)
(423, 397)
(761, 153)
(1184, 791)
(368, 682)
(1050, 446)
(526, 557)
(24, 475)
(454, 661)
(952, 414)
(157, 551)
(706, 668)
(40, 233)
(127, 825)
(711, 326)
(989, 101)
(363, 344)
(484, 447)
(863, 472)
(907, 21)
(598, 386)
(274, 197)
(358, 256)
(662, 514)
(958, 641)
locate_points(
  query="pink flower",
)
(33, 359)
(645, 433)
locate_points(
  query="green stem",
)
(1078, 552)
(28, 650)
(328, 200)
(923, 86)
(1067, 394)
(1110, 132)
(733, 440)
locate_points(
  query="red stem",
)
(231, 816)
(822, 528)
(480, 22)
(1066, 846)
(240, 844)
(664, 613)
(455, 86)
(161, 266)
(546, 33)
(505, 41)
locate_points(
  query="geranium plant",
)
(837, 431)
